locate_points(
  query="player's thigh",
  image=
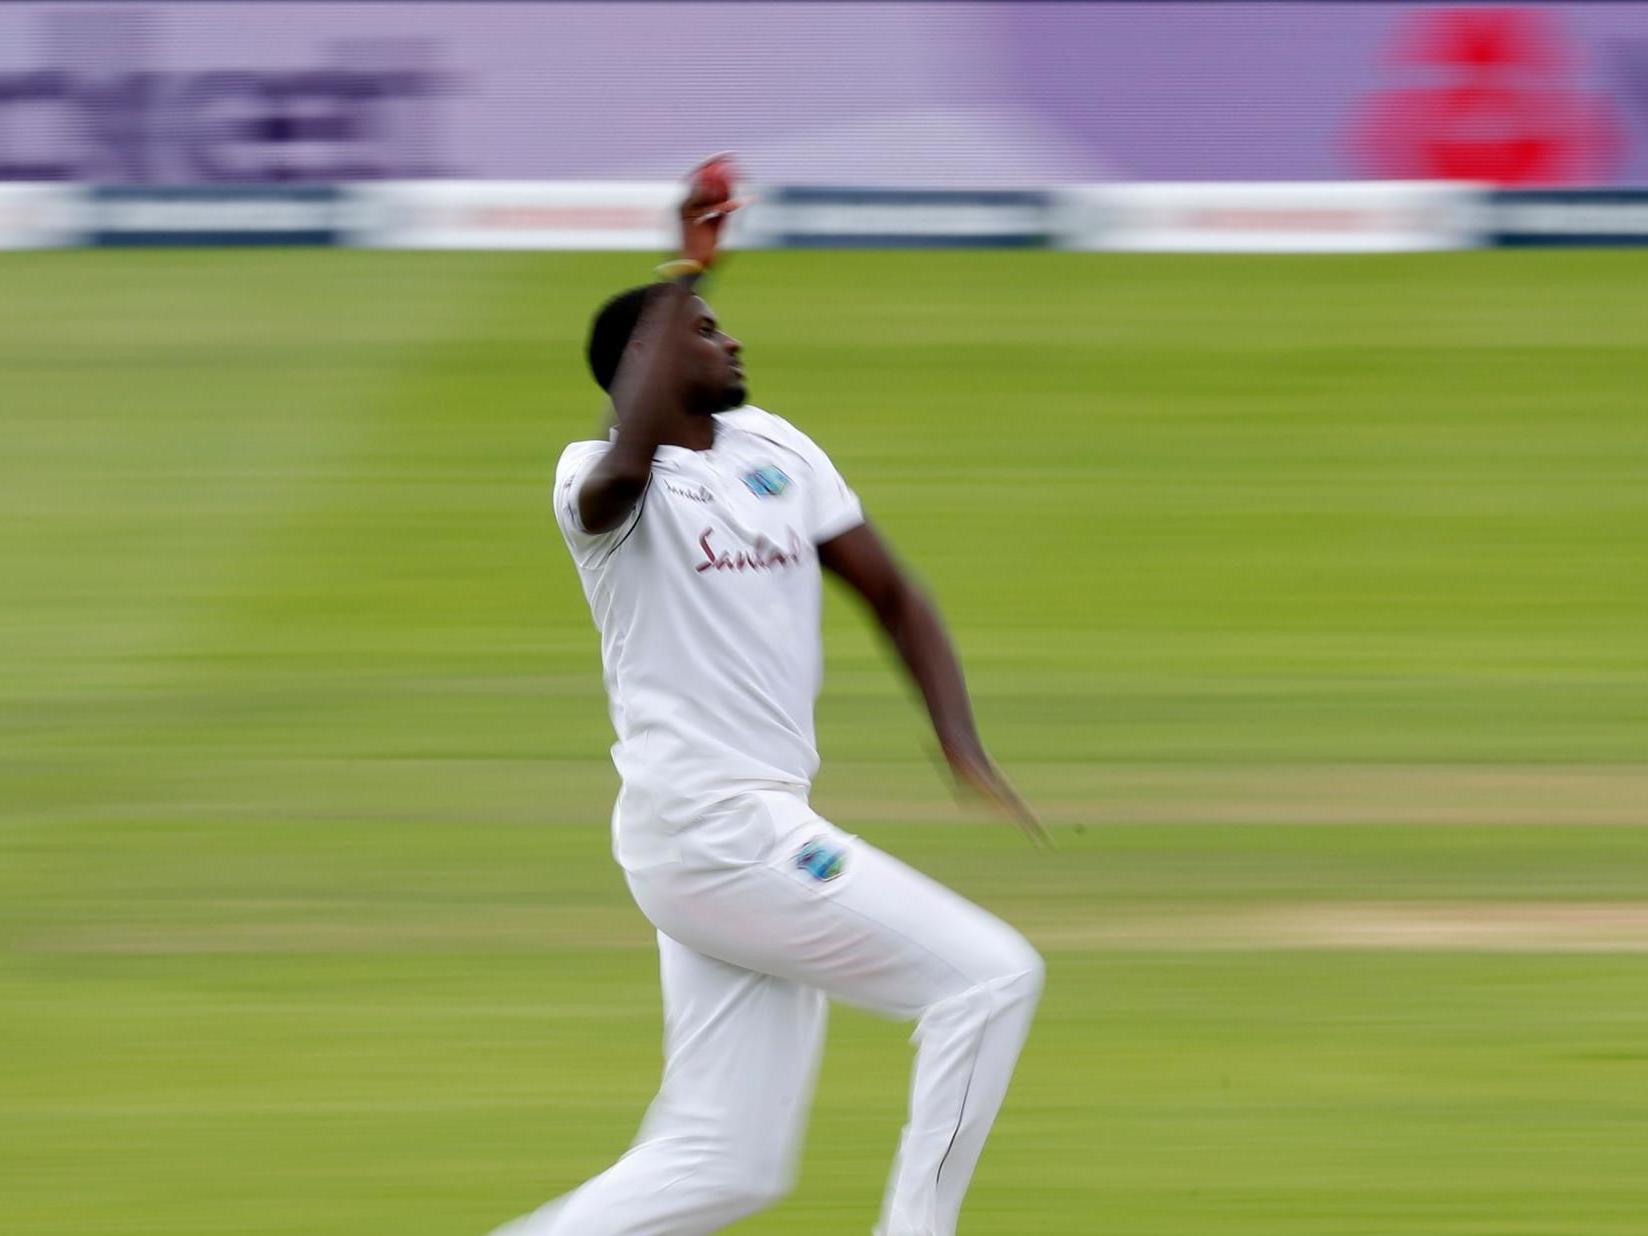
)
(741, 1052)
(830, 910)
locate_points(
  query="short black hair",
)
(611, 329)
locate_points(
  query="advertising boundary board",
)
(1310, 217)
(127, 216)
(807, 217)
(1357, 217)
(516, 214)
(40, 216)
(1569, 218)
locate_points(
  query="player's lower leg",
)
(968, 1046)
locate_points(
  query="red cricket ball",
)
(714, 180)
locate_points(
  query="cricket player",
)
(698, 531)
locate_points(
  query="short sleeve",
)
(836, 508)
(570, 474)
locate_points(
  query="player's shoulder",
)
(764, 424)
(574, 454)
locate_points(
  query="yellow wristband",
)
(679, 267)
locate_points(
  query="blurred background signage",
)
(1022, 95)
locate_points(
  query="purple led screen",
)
(856, 93)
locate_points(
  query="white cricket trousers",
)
(751, 944)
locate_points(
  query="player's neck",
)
(696, 433)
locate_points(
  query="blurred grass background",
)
(1308, 597)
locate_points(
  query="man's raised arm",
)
(643, 392)
(646, 388)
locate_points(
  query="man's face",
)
(714, 375)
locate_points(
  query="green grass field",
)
(1308, 597)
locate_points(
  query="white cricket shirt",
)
(707, 597)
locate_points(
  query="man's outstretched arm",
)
(861, 558)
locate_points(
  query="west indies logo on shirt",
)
(1498, 106)
(767, 482)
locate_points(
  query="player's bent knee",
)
(1004, 971)
(1019, 981)
(1025, 986)
(1016, 958)
(1037, 969)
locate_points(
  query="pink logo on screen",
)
(1495, 104)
